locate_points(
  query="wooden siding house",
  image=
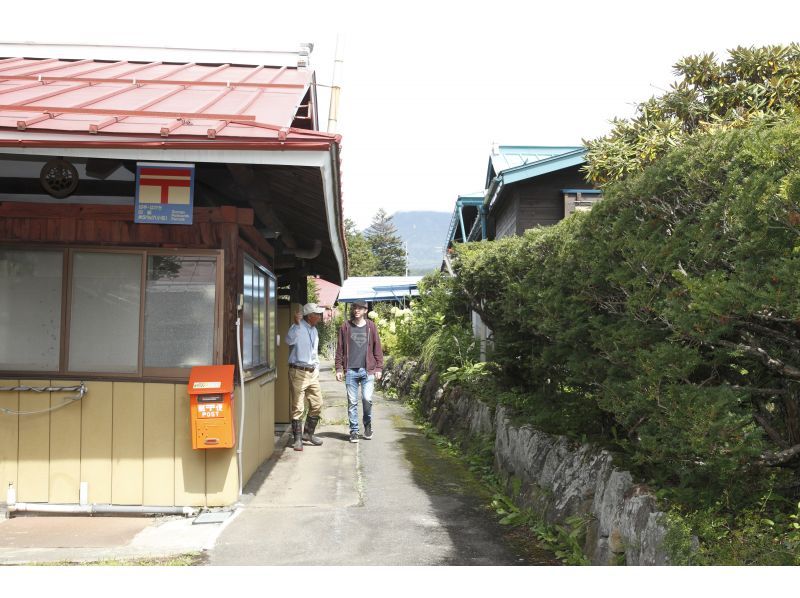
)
(534, 186)
(526, 187)
(94, 293)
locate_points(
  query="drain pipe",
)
(83, 507)
(22, 507)
(241, 385)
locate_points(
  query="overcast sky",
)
(426, 89)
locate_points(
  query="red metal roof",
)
(327, 292)
(235, 105)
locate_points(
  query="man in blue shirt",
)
(303, 339)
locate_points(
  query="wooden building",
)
(148, 205)
(534, 186)
(526, 187)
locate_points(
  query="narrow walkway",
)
(392, 500)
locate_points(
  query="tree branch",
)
(767, 318)
(775, 334)
(781, 457)
(769, 392)
(776, 365)
(771, 432)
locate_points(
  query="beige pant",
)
(304, 386)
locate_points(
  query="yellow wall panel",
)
(65, 446)
(190, 465)
(267, 440)
(251, 431)
(127, 443)
(9, 438)
(222, 477)
(283, 411)
(159, 444)
(34, 444)
(96, 427)
(222, 468)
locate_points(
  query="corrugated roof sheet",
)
(326, 292)
(187, 100)
(504, 157)
(379, 288)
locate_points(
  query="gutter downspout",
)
(241, 385)
(491, 196)
(492, 192)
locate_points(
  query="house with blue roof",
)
(530, 186)
(525, 187)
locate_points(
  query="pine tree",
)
(360, 259)
(386, 245)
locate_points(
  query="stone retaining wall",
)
(555, 477)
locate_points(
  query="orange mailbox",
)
(211, 393)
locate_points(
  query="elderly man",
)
(303, 339)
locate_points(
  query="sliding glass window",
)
(30, 309)
(127, 312)
(179, 317)
(104, 312)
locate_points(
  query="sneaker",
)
(368, 432)
(353, 436)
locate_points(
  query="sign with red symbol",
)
(164, 193)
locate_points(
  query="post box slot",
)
(209, 398)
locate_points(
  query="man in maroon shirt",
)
(359, 361)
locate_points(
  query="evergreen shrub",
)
(668, 317)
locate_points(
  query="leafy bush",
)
(441, 303)
(710, 96)
(671, 309)
(759, 535)
(665, 321)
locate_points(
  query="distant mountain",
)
(425, 233)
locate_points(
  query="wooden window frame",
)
(142, 373)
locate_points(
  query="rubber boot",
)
(308, 432)
(297, 430)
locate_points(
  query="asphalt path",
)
(392, 500)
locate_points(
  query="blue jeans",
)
(353, 379)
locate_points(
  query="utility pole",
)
(338, 66)
(405, 245)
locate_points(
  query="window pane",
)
(104, 319)
(247, 316)
(256, 317)
(30, 309)
(262, 318)
(179, 311)
(273, 326)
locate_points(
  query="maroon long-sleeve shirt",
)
(374, 349)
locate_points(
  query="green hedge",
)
(670, 310)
